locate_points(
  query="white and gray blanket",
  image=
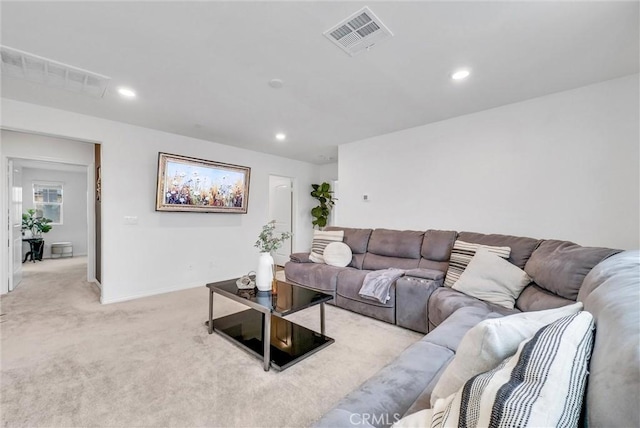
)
(377, 284)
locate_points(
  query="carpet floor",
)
(68, 361)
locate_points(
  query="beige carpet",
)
(69, 361)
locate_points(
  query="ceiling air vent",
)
(359, 32)
(34, 68)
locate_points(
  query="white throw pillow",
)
(337, 254)
(420, 419)
(542, 385)
(489, 342)
(491, 278)
(461, 255)
(321, 239)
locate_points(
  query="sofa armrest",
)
(412, 296)
(300, 258)
(431, 274)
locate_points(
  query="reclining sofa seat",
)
(318, 276)
(387, 249)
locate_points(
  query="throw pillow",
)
(492, 279)
(541, 385)
(489, 342)
(337, 254)
(462, 253)
(320, 241)
(420, 419)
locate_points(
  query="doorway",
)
(28, 153)
(281, 211)
(55, 191)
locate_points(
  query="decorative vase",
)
(264, 298)
(264, 273)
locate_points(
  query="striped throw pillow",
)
(542, 385)
(462, 253)
(320, 241)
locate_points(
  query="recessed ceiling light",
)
(280, 136)
(460, 75)
(126, 92)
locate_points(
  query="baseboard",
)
(151, 293)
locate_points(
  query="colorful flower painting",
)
(190, 184)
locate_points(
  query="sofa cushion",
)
(534, 298)
(437, 245)
(390, 392)
(541, 385)
(450, 332)
(444, 301)
(356, 239)
(489, 342)
(396, 243)
(376, 262)
(321, 239)
(560, 266)
(318, 276)
(491, 278)
(436, 249)
(521, 247)
(349, 283)
(461, 255)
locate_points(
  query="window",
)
(47, 201)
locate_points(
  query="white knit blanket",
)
(377, 284)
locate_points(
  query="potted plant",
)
(37, 225)
(267, 243)
(324, 195)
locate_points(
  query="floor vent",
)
(359, 32)
(34, 68)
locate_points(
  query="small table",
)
(36, 246)
(262, 329)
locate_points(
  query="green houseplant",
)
(324, 195)
(36, 224)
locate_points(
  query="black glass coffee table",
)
(262, 329)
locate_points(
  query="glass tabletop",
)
(285, 299)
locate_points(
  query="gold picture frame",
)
(187, 184)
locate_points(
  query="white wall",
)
(74, 206)
(328, 172)
(563, 166)
(166, 251)
(45, 148)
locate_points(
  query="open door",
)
(280, 210)
(15, 225)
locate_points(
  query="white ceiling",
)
(201, 69)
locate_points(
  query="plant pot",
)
(264, 273)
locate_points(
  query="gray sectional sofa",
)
(607, 281)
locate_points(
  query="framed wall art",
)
(198, 185)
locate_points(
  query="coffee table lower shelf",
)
(290, 342)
